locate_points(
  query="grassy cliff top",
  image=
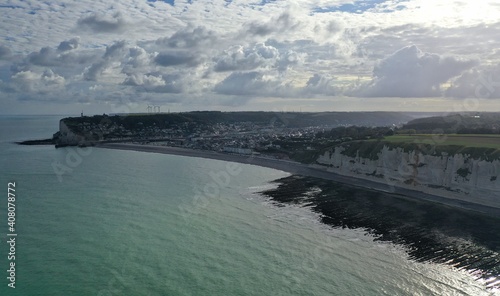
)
(468, 123)
(485, 147)
(464, 140)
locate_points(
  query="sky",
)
(65, 57)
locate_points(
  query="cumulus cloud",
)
(260, 55)
(69, 44)
(187, 47)
(66, 55)
(284, 22)
(113, 53)
(32, 82)
(189, 38)
(290, 59)
(92, 72)
(320, 85)
(256, 83)
(155, 83)
(409, 72)
(240, 58)
(251, 83)
(477, 83)
(177, 58)
(138, 60)
(144, 80)
(103, 23)
(115, 49)
(333, 27)
(47, 56)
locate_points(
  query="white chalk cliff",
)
(68, 137)
(452, 176)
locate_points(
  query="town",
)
(282, 136)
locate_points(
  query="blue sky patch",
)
(264, 2)
(10, 6)
(359, 6)
(171, 2)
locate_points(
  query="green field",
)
(465, 140)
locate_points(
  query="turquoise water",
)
(102, 222)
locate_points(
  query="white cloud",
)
(138, 60)
(276, 25)
(113, 53)
(239, 58)
(271, 84)
(178, 58)
(71, 44)
(219, 49)
(252, 84)
(477, 83)
(189, 38)
(409, 72)
(290, 59)
(45, 57)
(41, 83)
(103, 23)
(145, 80)
(320, 85)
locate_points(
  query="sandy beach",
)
(297, 168)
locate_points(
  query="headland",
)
(453, 159)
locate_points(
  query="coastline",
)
(296, 168)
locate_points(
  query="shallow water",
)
(132, 223)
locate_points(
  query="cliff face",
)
(67, 137)
(453, 176)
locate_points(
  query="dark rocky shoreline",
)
(38, 142)
(430, 232)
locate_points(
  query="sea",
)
(92, 221)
